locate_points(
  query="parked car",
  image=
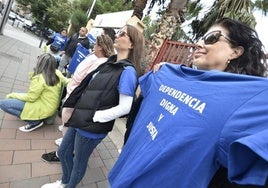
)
(35, 28)
(27, 24)
(12, 16)
(48, 33)
(20, 18)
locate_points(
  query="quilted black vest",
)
(100, 94)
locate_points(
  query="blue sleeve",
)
(128, 81)
(248, 158)
(243, 146)
(145, 83)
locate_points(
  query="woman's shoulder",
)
(37, 79)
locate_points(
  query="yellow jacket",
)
(41, 100)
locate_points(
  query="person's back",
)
(42, 98)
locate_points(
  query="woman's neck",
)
(122, 55)
(99, 55)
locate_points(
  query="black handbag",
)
(54, 48)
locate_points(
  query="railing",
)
(175, 52)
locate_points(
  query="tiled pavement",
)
(20, 153)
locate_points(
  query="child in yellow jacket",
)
(42, 98)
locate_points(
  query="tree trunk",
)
(138, 8)
(167, 25)
(170, 22)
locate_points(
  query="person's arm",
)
(121, 109)
(50, 40)
(67, 44)
(64, 80)
(35, 90)
(85, 43)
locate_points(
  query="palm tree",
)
(174, 16)
(168, 23)
(236, 9)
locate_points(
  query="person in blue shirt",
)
(57, 42)
(76, 39)
(202, 119)
(111, 89)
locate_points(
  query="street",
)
(17, 32)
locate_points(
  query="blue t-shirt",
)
(191, 122)
(127, 86)
(59, 41)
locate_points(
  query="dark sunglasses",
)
(121, 33)
(214, 37)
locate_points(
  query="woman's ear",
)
(131, 46)
(237, 52)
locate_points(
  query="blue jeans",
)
(74, 153)
(15, 107)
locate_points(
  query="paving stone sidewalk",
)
(20, 153)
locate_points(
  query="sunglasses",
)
(214, 37)
(121, 33)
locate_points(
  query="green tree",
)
(170, 20)
(169, 23)
(81, 8)
(78, 20)
(236, 9)
(59, 15)
(49, 13)
(101, 6)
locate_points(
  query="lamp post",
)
(5, 15)
(91, 8)
(42, 31)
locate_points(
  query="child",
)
(42, 99)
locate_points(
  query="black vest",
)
(100, 94)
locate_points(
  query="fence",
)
(175, 52)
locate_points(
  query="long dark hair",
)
(253, 60)
(136, 53)
(46, 65)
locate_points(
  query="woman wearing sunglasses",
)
(104, 95)
(226, 47)
(230, 47)
(202, 119)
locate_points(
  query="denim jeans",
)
(15, 107)
(74, 153)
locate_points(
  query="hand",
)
(10, 95)
(158, 66)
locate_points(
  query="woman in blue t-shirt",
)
(111, 89)
(57, 42)
(228, 46)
